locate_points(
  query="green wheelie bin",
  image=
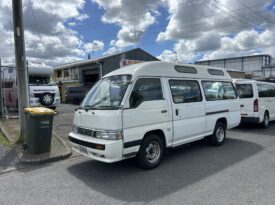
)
(39, 121)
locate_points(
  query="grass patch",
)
(4, 141)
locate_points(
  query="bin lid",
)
(39, 111)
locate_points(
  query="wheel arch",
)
(222, 120)
(159, 132)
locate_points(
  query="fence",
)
(8, 92)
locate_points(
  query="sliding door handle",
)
(164, 111)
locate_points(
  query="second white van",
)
(142, 109)
(257, 101)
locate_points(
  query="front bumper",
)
(112, 152)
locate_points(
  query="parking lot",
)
(242, 171)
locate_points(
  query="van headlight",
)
(109, 135)
(74, 129)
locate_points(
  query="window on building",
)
(185, 91)
(66, 72)
(146, 89)
(59, 73)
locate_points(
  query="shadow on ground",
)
(179, 169)
(256, 129)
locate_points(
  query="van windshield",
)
(245, 90)
(39, 80)
(107, 93)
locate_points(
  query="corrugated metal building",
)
(251, 65)
(88, 72)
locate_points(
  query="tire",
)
(151, 143)
(219, 134)
(46, 99)
(265, 123)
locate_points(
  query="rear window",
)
(245, 90)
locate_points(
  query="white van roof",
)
(245, 81)
(168, 69)
(40, 70)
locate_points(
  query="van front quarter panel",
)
(147, 117)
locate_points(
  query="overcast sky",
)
(62, 31)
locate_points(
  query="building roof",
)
(167, 69)
(232, 58)
(97, 59)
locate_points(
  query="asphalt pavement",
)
(242, 171)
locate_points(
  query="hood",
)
(98, 119)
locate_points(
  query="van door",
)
(247, 97)
(148, 110)
(188, 110)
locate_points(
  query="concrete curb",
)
(48, 159)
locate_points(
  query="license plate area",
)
(82, 150)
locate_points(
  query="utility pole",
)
(20, 57)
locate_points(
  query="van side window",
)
(229, 91)
(145, 89)
(245, 90)
(272, 91)
(185, 91)
(263, 90)
(215, 90)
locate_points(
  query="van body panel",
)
(148, 116)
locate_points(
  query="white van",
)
(42, 91)
(257, 101)
(140, 110)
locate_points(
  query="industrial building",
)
(88, 72)
(255, 66)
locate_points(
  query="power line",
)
(251, 8)
(36, 24)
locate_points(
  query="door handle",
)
(164, 111)
(242, 105)
(177, 112)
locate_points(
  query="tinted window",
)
(185, 91)
(215, 72)
(185, 69)
(146, 89)
(229, 91)
(245, 90)
(272, 91)
(218, 90)
(263, 90)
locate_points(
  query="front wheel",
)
(150, 152)
(219, 134)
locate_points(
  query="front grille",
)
(84, 131)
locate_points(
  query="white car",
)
(140, 110)
(257, 101)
